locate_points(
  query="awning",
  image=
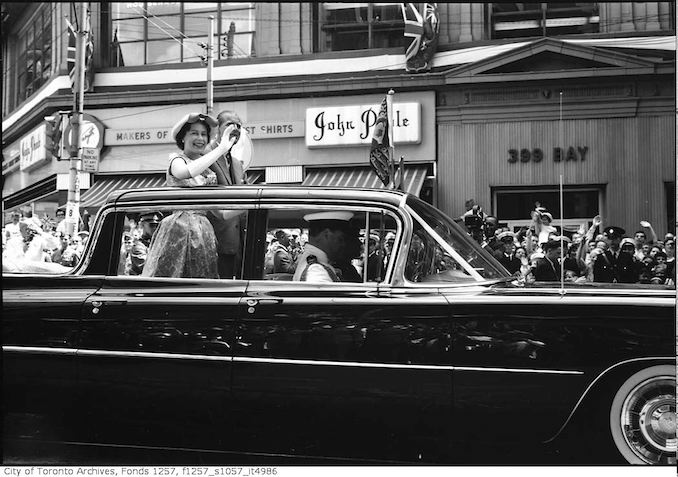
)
(97, 194)
(31, 193)
(364, 177)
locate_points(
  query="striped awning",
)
(364, 178)
(97, 194)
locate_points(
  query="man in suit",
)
(548, 268)
(229, 171)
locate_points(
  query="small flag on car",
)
(380, 149)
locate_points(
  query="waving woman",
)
(184, 244)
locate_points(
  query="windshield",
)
(466, 261)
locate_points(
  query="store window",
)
(156, 33)
(358, 26)
(580, 205)
(33, 65)
(514, 20)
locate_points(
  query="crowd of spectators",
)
(538, 252)
(28, 239)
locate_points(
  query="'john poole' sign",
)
(354, 125)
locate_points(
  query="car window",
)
(427, 261)
(204, 243)
(441, 251)
(359, 252)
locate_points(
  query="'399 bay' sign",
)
(354, 125)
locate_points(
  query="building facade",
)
(520, 98)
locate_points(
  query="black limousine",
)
(438, 351)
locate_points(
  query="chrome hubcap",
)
(648, 420)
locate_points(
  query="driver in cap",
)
(329, 238)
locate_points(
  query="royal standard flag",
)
(381, 143)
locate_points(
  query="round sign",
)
(91, 133)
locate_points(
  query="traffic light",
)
(227, 42)
(53, 135)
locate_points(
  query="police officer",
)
(605, 264)
(506, 255)
(137, 257)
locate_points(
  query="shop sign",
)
(274, 129)
(571, 154)
(123, 137)
(354, 125)
(256, 130)
(32, 148)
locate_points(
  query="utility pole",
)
(210, 67)
(73, 203)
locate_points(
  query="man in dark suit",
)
(548, 268)
(229, 171)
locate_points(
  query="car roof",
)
(254, 192)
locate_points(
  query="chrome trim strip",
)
(245, 359)
(518, 370)
(354, 364)
(145, 354)
(39, 350)
(588, 388)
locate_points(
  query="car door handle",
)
(259, 301)
(97, 304)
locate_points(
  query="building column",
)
(640, 16)
(290, 28)
(627, 17)
(445, 26)
(612, 19)
(477, 21)
(454, 16)
(465, 19)
(267, 43)
(664, 15)
(652, 17)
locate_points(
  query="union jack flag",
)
(414, 28)
(422, 29)
(72, 55)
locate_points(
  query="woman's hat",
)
(191, 118)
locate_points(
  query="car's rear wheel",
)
(643, 417)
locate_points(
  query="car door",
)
(340, 369)
(155, 356)
(40, 324)
(41, 315)
(513, 354)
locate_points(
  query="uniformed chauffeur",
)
(328, 236)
